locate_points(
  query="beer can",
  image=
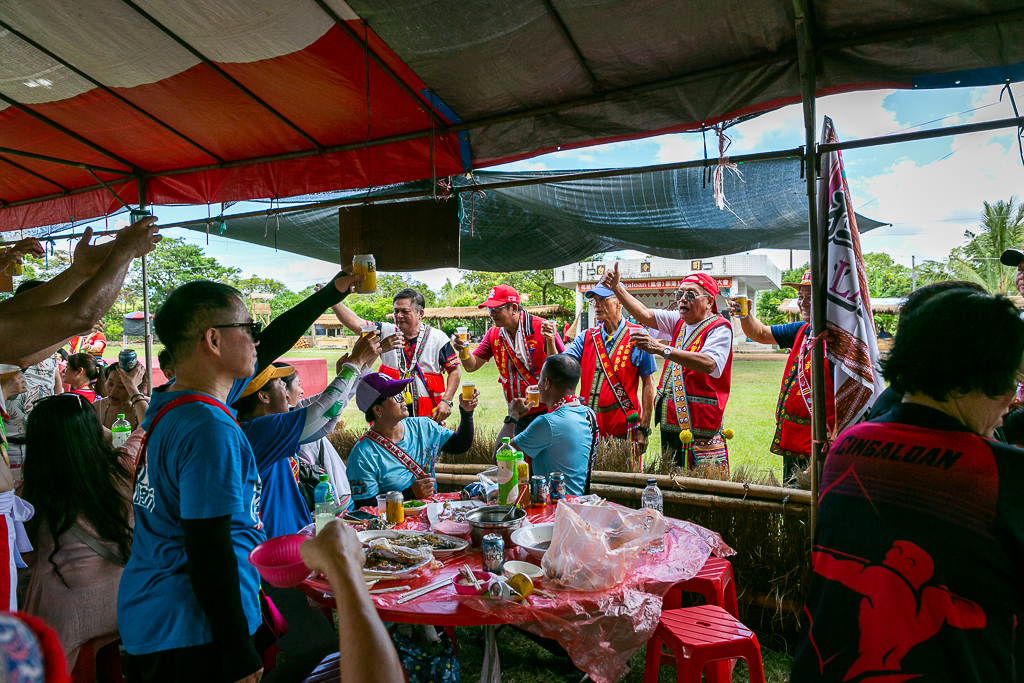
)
(522, 585)
(364, 264)
(493, 551)
(474, 491)
(539, 490)
(501, 591)
(127, 359)
(14, 270)
(556, 489)
(744, 304)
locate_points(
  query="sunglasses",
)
(254, 328)
(689, 296)
(83, 402)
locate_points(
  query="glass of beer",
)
(462, 333)
(367, 330)
(744, 304)
(533, 395)
(468, 389)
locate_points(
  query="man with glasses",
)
(519, 342)
(412, 349)
(188, 591)
(792, 438)
(613, 369)
(697, 376)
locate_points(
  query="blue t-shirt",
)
(560, 442)
(198, 465)
(372, 470)
(785, 335)
(274, 439)
(641, 360)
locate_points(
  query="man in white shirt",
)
(695, 382)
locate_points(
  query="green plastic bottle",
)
(120, 431)
(508, 476)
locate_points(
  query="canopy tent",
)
(201, 101)
(522, 227)
(135, 324)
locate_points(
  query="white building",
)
(654, 280)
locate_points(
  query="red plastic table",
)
(588, 625)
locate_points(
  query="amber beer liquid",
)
(467, 391)
(367, 330)
(364, 264)
(533, 395)
(463, 335)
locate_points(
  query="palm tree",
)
(1001, 228)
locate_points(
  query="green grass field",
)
(750, 413)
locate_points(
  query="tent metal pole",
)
(108, 91)
(145, 299)
(571, 44)
(825, 148)
(23, 169)
(808, 79)
(66, 193)
(107, 188)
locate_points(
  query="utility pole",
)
(913, 275)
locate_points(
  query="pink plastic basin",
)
(278, 560)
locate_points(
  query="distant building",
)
(654, 280)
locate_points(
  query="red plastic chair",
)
(714, 581)
(98, 664)
(697, 636)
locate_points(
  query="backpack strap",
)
(96, 545)
(181, 400)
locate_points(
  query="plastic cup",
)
(462, 333)
(533, 395)
(367, 330)
(468, 388)
(382, 504)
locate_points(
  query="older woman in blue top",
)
(398, 452)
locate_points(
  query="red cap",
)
(705, 281)
(499, 296)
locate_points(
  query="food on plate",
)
(450, 528)
(414, 504)
(454, 513)
(432, 541)
(384, 556)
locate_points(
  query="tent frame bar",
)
(61, 162)
(427, 109)
(70, 133)
(107, 188)
(571, 44)
(117, 96)
(223, 74)
(25, 169)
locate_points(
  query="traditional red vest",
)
(595, 388)
(513, 383)
(706, 395)
(428, 383)
(792, 415)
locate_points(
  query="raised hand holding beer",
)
(739, 306)
(364, 352)
(391, 343)
(549, 329)
(469, 398)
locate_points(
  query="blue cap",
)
(599, 291)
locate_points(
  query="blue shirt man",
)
(372, 470)
(560, 442)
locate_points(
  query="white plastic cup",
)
(382, 504)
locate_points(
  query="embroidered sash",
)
(513, 359)
(406, 366)
(692, 345)
(400, 455)
(621, 396)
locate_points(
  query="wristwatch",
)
(509, 420)
(451, 404)
(646, 431)
(667, 351)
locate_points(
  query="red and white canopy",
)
(226, 100)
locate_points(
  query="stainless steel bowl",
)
(487, 520)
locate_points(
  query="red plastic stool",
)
(697, 636)
(714, 581)
(98, 664)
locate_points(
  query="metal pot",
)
(487, 520)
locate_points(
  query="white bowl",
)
(534, 539)
(515, 567)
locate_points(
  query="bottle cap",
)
(652, 481)
(324, 477)
(120, 416)
(505, 439)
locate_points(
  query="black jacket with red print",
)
(918, 556)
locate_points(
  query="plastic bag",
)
(594, 547)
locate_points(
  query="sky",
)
(931, 191)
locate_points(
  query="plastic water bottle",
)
(324, 499)
(651, 498)
(120, 432)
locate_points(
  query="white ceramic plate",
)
(367, 536)
(530, 538)
(402, 572)
(434, 509)
(516, 567)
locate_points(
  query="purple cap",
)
(375, 385)
(600, 291)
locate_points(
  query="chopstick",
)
(468, 573)
(396, 589)
(423, 591)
